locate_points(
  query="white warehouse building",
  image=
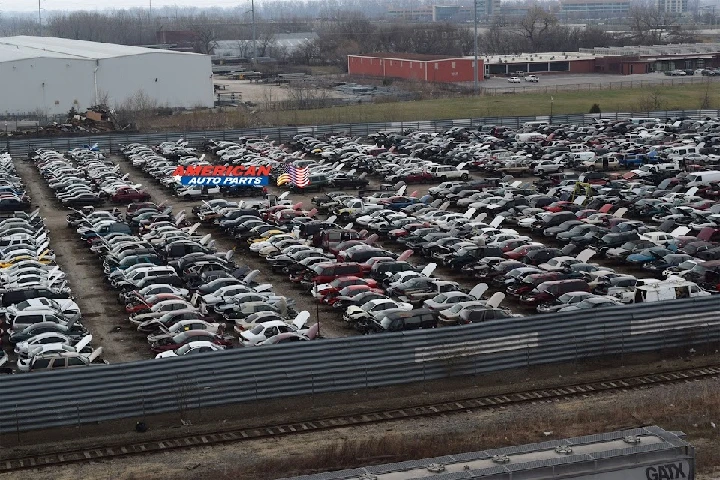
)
(50, 75)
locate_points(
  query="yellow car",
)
(265, 236)
(9, 262)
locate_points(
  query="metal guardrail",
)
(111, 142)
(132, 390)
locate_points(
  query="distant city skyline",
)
(67, 5)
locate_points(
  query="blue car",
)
(648, 255)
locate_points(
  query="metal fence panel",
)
(94, 394)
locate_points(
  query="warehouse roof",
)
(537, 57)
(24, 47)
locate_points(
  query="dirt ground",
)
(255, 92)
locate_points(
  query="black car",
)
(14, 204)
(349, 181)
(80, 200)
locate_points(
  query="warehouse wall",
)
(171, 79)
(54, 85)
(49, 85)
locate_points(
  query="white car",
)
(514, 80)
(532, 78)
(266, 330)
(48, 338)
(64, 307)
(373, 308)
(191, 348)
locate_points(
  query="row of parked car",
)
(41, 321)
(174, 285)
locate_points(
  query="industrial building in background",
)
(613, 60)
(648, 453)
(50, 76)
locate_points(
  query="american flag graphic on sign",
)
(300, 176)
(284, 176)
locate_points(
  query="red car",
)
(348, 293)
(521, 251)
(173, 343)
(417, 177)
(143, 305)
(404, 231)
(559, 206)
(129, 194)
(338, 284)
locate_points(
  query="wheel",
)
(464, 176)
(541, 172)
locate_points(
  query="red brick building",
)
(429, 68)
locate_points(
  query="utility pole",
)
(254, 35)
(39, 18)
(150, 11)
(475, 67)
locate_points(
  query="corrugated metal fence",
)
(110, 142)
(93, 394)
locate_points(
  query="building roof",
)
(657, 50)
(407, 56)
(24, 47)
(537, 57)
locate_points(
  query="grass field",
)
(688, 97)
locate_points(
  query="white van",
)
(578, 147)
(581, 156)
(699, 178)
(674, 288)
(684, 150)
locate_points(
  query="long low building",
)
(50, 76)
(614, 60)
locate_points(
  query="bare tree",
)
(537, 23)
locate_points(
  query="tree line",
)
(343, 29)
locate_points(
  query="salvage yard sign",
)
(223, 175)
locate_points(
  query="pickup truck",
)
(447, 172)
(634, 161)
(532, 78)
(417, 297)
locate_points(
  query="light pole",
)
(551, 108)
(475, 65)
(7, 138)
(254, 35)
(39, 19)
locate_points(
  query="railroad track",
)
(110, 451)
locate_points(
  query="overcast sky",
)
(32, 5)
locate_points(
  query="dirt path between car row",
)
(101, 313)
